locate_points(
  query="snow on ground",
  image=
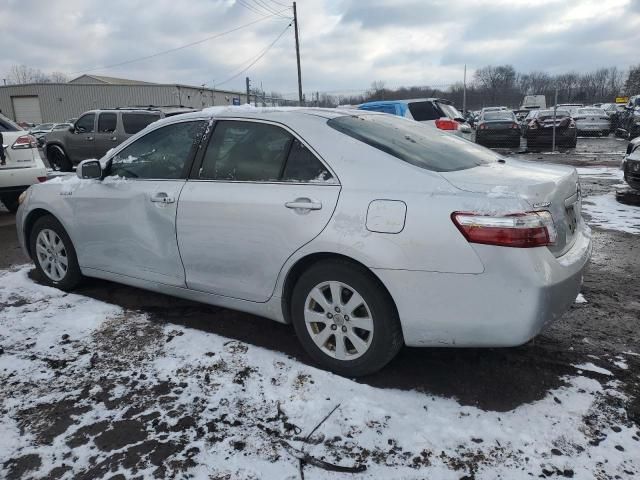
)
(91, 390)
(605, 211)
(612, 173)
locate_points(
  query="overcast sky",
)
(345, 44)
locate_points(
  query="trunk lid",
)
(18, 158)
(542, 186)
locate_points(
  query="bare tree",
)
(21, 74)
(58, 77)
(632, 84)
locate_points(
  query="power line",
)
(265, 6)
(251, 8)
(171, 50)
(281, 4)
(256, 60)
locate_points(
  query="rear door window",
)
(134, 122)
(380, 108)
(419, 145)
(303, 166)
(422, 111)
(107, 122)
(246, 151)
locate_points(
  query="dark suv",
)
(97, 131)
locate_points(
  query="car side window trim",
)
(195, 151)
(197, 164)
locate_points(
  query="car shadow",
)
(498, 379)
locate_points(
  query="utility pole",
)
(464, 91)
(248, 91)
(555, 108)
(295, 21)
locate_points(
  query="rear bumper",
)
(520, 292)
(546, 135)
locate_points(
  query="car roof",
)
(405, 101)
(266, 113)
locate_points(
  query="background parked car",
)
(435, 111)
(498, 129)
(40, 131)
(629, 119)
(613, 110)
(538, 128)
(592, 120)
(22, 166)
(631, 164)
(97, 131)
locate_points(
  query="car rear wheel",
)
(345, 319)
(58, 159)
(10, 200)
(53, 254)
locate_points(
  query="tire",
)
(53, 233)
(58, 159)
(605, 133)
(380, 337)
(10, 200)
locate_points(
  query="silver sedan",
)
(365, 231)
(591, 120)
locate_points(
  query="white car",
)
(20, 166)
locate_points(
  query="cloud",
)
(345, 44)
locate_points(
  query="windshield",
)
(415, 143)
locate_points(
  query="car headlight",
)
(23, 196)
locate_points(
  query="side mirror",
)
(89, 169)
(72, 128)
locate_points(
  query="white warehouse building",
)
(57, 102)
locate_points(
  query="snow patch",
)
(590, 367)
(580, 299)
(606, 212)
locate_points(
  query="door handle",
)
(304, 204)
(114, 139)
(90, 138)
(162, 197)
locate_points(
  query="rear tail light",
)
(520, 230)
(533, 125)
(515, 126)
(42, 179)
(482, 126)
(447, 124)
(25, 141)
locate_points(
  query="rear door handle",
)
(114, 139)
(162, 197)
(303, 204)
(89, 138)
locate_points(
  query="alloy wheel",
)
(52, 255)
(338, 320)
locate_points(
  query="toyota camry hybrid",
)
(365, 231)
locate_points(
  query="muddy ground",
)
(492, 379)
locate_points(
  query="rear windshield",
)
(548, 114)
(501, 115)
(134, 122)
(450, 111)
(420, 145)
(7, 125)
(422, 111)
(590, 111)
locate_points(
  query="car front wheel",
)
(345, 319)
(53, 254)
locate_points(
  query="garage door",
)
(27, 109)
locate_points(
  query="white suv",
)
(21, 165)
